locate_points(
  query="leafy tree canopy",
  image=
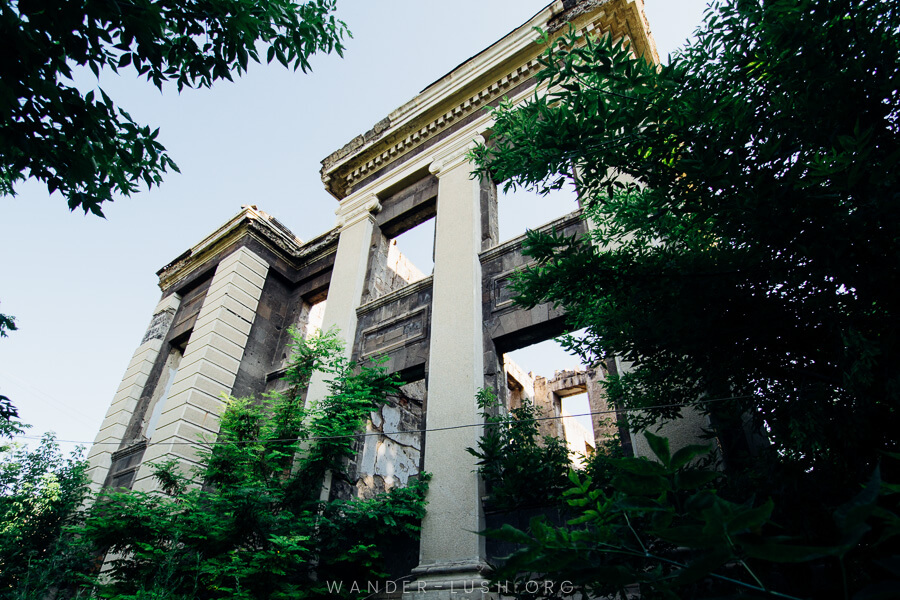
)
(663, 528)
(41, 491)
(748, 226)
(7, 410)
(85, 146)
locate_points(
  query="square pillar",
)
(452, 555)
(348, 278)
(125, 401)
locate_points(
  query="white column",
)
(210, 364)
(348, 277)
(451, 552)
(688, 429)
(121, 410)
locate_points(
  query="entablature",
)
(505, 69)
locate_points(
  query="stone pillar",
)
(209, 365)
(121, 410)
(451, 557)
(345, 290)
(687, 430)
(348, 277)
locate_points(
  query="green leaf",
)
(689, 536)
(686, 454)
(751, 519)
(639, 466)
(640, 504)
(784, 553)
(660, 447)
(851, 516)
(701, 567)
(630, 483)
(508, 533)
(694, 479)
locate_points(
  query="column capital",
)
(454, 156)
(358, 209)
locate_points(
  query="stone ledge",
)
(413, 288)
(516, 242)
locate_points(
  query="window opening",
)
(577, 426)
(314, 317)
(561, 387)
(524, 209)
(411, 254)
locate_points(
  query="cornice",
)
(488, 77)
(256, 224)
(339, 176)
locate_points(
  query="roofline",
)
(516, 43)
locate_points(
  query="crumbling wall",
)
(604, 417)
(391, 452)
(389, 269)
(519, 384)
(579, 440)
(308, 323)
(548, 394)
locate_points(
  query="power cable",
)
(389, 433)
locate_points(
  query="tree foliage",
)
(661, 529)
(745, 197)
(257, 527)
(41, 491)
(7, 410)
(249, 523)
(519, 468)
(82, 144)
(746, 251)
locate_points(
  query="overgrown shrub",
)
(518, 466)
(257, 527)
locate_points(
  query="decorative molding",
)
(133, 448)
(406, 328)
(431, 129)
(268, 230)
(413, 288)
(456, 155)
(515, 243)
(500, 284)
(257, 225)
(359, 209)
(162, 318)
(405, 129)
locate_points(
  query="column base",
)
(464, 580)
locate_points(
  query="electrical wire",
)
(389, 433)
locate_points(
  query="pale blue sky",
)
(82, 288)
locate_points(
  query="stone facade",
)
(227, 303)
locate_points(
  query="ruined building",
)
(227, 303)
